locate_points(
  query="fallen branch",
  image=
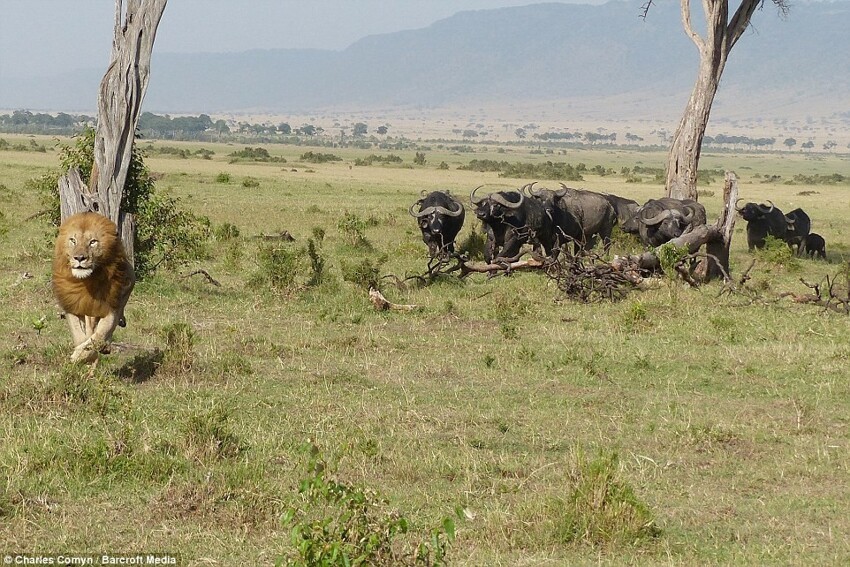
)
(381, 303)
(206, 275)
(495, 267)
(283, 235)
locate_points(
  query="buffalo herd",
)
(548, 219)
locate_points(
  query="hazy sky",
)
(40, 37)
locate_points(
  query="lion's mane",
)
(100, 293)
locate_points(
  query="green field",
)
(677, 426)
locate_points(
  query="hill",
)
(604, 59)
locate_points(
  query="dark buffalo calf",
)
(814, 244)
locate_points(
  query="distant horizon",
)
(53, 42)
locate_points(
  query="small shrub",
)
(250, 182)
(602, 509)
(209, 437)
(669, 255)
(317, 263)
(776, 251)
(313, 157)
(353, 228)
(339, 524)
(222, 178)
(473, 245)
(363, 273)
(179, 341)
(225, 231)
(277, 268)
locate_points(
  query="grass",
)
(676, 426)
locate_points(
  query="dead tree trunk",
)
(118, 106)
(716, 263)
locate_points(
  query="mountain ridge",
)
(518, 55)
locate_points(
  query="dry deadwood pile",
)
(833, 294)
(588, 278)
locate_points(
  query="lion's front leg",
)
(79, 331)
(99, 339)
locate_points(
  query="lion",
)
(92, 281)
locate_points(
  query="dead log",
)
(484, 268)
(381, 303)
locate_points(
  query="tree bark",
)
(119, 103)
(721, 35)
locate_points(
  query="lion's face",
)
(87, 240)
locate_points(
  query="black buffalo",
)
(813, 244)
(626, 210)
(591, 211)
(799, 225)
(567, 228)
(511, 220)
(440, 217)
(762, 221)
(662, 220)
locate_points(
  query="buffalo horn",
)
(663, 214)
(424, 212)
(472, 198)
(413, 206)
(505, 203)
(445, 211)
(765, 211)
(738, 200)
(562, 191)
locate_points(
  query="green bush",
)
(340, 524)
(222, 178)
(166, 235)
(353, 228)
(277, 268)
(601, 509)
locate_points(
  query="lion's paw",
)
(85, 353)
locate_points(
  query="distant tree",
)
(722, 33)
(808, 145)
(382, 130)
(221, 127)
(829, 145)
(419, 159)
(633, 137)
(284, 128)
(360, 129)
(307, 130)
(470, 134)
(520, 133)
(790, 142)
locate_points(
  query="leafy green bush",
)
(340, 524)
(353, 228)
(312, 157)
(278, 267)
(166, 235)
(250, 182)
(364, 273)
(222, 178)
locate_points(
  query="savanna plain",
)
(279, 414)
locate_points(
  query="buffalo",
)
(626, 210)
(762, 221)
(440, 217)
(591, 211)
(662, 220)
(511, 220)
(799, 225)
(813, 244)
